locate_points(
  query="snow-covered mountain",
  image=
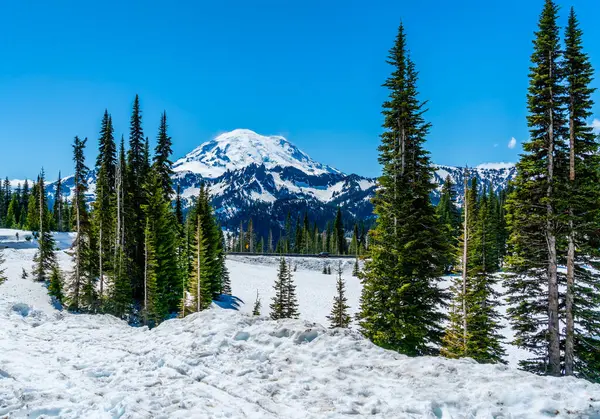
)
(265, 177)
(241, 148)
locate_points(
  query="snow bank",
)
(221, 363)
(298, 263)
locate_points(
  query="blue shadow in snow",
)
(229, 302)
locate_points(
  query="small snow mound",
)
(22, 309)
(241, 336)
(307, 336)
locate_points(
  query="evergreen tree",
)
(401, 300)
(291, 309)
(12, 215)
(57, 208)
(163, 230)
(340, 236)
(45, 259)
(533, 217)
(484, 338)
(137, 162)
(81, 293)
(279, 303)
(339, 316)
(120, 293)
(178, 207)
(153, 311)
(257, 305)
(162, 158)
(32, 221)
(199, 284)
(103, 216)
(55, 287)
(356, 268)
(449, 217)
(23, 204)
(582, 299)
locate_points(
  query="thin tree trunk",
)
(101, 273)
(198, 269)
(41, 239)
(553, 323)
(570, 330)
(465, 261)
(78, 263)
(146, 279)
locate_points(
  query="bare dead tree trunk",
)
(570, 329)
(465, 260)
(78, 252)
(553, 322)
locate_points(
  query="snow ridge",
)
(220, 363)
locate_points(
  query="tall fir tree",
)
(162, 157)
(279, 304)
(200, 296)
(103, 216)
(134, 215)
(81, 293)
(401, 302)
(57, 209)
(534, 219)
(339, 316)
(582, 299)
(163, 232)
(45, 258)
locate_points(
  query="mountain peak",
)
(240, 148)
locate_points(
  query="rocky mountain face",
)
(265, 177)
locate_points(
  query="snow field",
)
(226, 364)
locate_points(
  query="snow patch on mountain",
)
(496, 166)
(242, 147)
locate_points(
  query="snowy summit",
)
(240, 148)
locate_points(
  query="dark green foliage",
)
(257, 306)
(449, 217)
(56, 285)
(340, 236)
(153, 308)
(356, 268)
(199, 284)
(401, 301)
(162, 239)
(137, 162)
(44, 259)
(120, 296)
(162, 158)
(284, 304)
(103, 215)
(339, 316)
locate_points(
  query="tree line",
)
(302, 237)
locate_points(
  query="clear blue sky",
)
(310, 70)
